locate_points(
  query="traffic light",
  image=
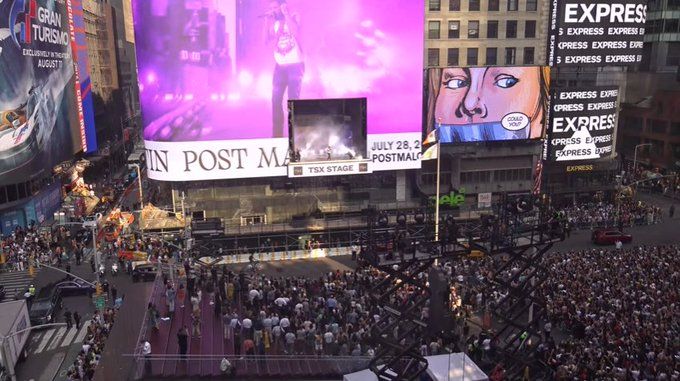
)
(98, 289)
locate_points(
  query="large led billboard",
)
(596, 33)
(215, 78)
(480, 104)
(582, 123)
(39, 122)
(327, 129)
(88, 132)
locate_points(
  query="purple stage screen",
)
(223, 70)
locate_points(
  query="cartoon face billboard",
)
(480, 104)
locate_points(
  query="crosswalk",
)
(15, 282)
(55, 338)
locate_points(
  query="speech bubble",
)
(515, 121)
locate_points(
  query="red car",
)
(609, 237)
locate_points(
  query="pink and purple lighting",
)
(213, 54)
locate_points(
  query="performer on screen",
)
(282, 31)
(329, 150)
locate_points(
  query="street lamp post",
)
(635, 155)
(141, 200)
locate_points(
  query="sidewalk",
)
(115, 365)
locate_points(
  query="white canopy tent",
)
(453, 367)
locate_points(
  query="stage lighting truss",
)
(520, 228)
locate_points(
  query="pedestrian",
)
(114, 293)
(170, 300)
(152, 315)
(182, 341)
(196, 324)
(146, 351)
(218, 305)
(67, 316)
(671, 212)
(181, 295)
(76, 318)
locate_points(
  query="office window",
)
(452, 57)
(532, 5)
(528, 56)
(11, 192)
(472, 56)
(454, 29)
(491, 58)
(509, 56)
(530, 29)
(473, 29)
(473, 5)
(433, 57)
(454, 5)
(475, 177)
(435, 5)
(510, 29)
(675, 129)
(512, 5)
(492, 29)
(673, 54)
(433, 28)
(657, 126)
(494, 5)
(671, 26)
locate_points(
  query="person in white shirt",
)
(146, 351)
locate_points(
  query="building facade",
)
(653, 126)
(485, 32)
(101, 44)
(125, 55)
(660, 68)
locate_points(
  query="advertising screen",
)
(327, 129)
(38, 105)
(597, 33)
(479, 104)
(88, 132)
(582, 123)
(215, 78)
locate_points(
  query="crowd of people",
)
(88, 358)
(31, 246)
(606, 214)
(617, 312)
(621, 310)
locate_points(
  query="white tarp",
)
(460, 368)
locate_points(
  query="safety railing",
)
(136, 371)
(257, 367)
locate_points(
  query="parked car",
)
(46, 304)
(74, 286)
(609, 237)
(144, 270)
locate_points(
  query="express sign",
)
(597, 33)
